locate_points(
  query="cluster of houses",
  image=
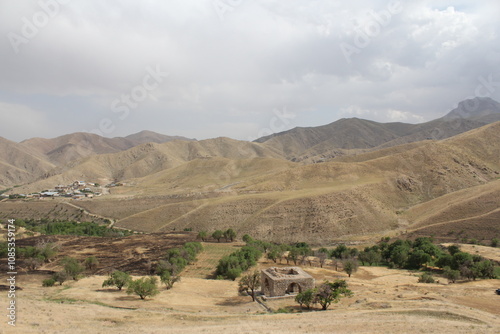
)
(76, 190)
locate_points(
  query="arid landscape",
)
(312, 185)
(230, 166)
(384, 300)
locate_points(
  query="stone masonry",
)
(276, 281)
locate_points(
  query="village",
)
(77, 190)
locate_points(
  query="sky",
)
(238, 68)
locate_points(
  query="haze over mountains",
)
(372, 177)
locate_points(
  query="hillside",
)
(19, 164)
(67, 148)
(337, 138)
(146, 159)
(222, 183)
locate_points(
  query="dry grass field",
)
(384, 301)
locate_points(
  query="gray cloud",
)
(228, 71)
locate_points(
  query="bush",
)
(169, 279)
(350, 266)
(48, 282)
(60, 277)
(118, 279)
(426, 278)
(451, 274)
(72, 267)
(495, 242)
(91, 263)
(143, 287)
(231, 266)
(306, 298)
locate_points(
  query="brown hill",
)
(335, 139)
(19, 164)
(150, 158)
(67, 148)
(373, 194)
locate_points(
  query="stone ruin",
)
(276, 281)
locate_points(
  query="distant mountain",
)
(150, 158)
(64, 149)
(328, 141)
(477, 108)
(146, 136)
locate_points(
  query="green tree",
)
(495, 242)
(60, 277)
(451, 274)
(331, 292)
(217, 235)
(306, 298)
(350, 266)
(72, 267)
(247, 239)
(453, 249)
(273, 254)
(250, 282)
(143, 287)
(230, 235)
(168, 279)
(47, 251)
(202, 235)
(91, 263)
(417, 259)
(118, 279)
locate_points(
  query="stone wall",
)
(277, 281)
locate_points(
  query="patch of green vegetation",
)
(57, 227)
(284, 310)
(497, 272)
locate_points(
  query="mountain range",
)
(349, 177)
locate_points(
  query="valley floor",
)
(384, 301)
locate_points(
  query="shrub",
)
(91, 263)
(143, 287)
(118, 279)
(217, 235)
(72, 267)
(306, 298)
(60, 277)
(451, 274)
(169, 279)
(350, 266)
(495, 242)
(48, 282)
(426, 278)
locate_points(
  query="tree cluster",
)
(423, 253)
(324, 295)
(231, 266)
(229, 235)
(60, 227)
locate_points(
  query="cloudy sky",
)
(238, 68)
